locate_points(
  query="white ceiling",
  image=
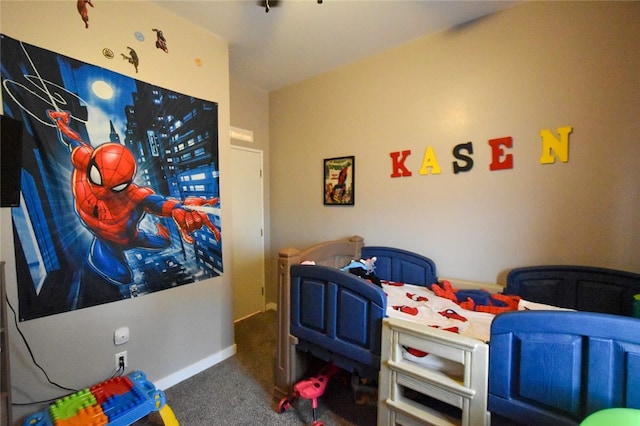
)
(298, 39)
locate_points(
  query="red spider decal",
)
(451, 329)
(417, 297)
(416, 352)
(451, 314)
(406, 309)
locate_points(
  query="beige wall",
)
(537, 65)
(174, 333)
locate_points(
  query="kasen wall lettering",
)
(501, 159)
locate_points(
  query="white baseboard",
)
(271, 306)
(195, 368)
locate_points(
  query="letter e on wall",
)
(500, 160)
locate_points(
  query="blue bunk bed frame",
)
(556, 368)
(584, 288)
(545, 367)
(337, 316)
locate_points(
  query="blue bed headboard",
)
(556, 368)
(585, 288)
(401, 265)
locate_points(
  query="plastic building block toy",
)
(120, 401)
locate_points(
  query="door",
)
(248, 232)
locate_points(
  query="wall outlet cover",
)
(121, 336)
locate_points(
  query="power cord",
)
(24, 339)
(118, 373)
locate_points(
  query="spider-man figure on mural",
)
(111, 206)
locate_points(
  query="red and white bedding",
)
(419, 304)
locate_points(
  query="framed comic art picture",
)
(339, 181)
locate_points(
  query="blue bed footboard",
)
(337, 316)
(556, 368)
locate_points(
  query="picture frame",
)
(339, 181)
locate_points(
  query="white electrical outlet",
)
(123, 356)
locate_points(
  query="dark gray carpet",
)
(238, 391)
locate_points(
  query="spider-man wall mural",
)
(120, 193)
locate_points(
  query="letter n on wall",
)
(551, 145)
